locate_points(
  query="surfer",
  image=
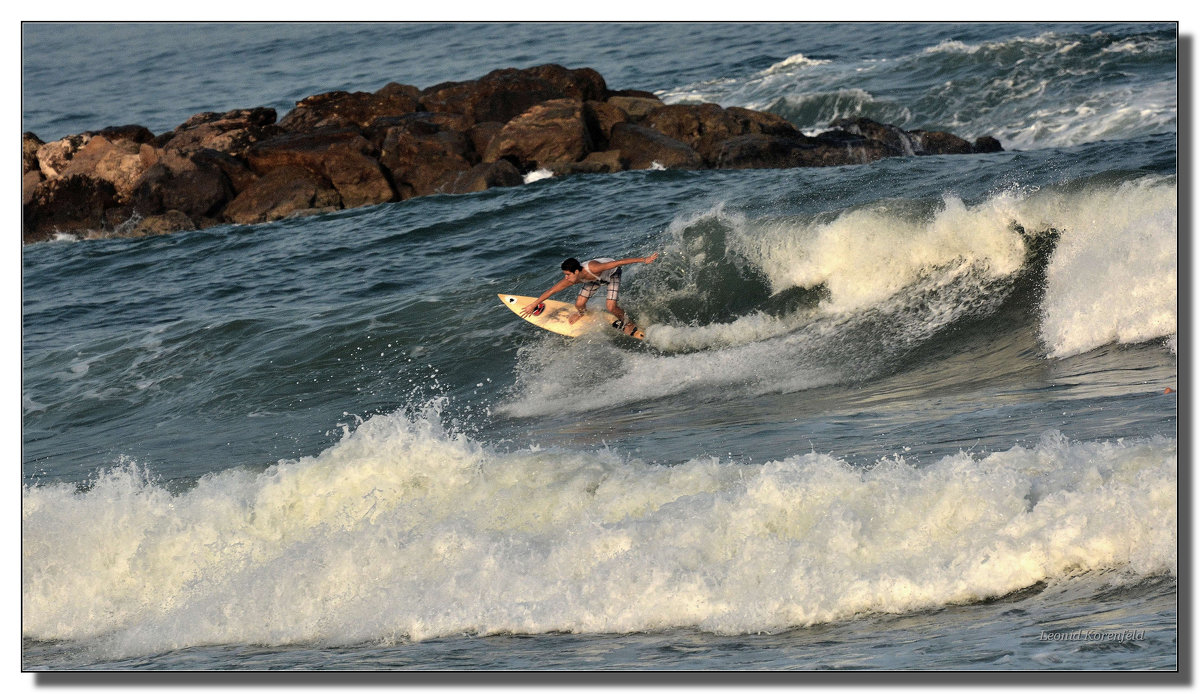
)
(591, 274)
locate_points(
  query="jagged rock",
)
(29, 149)
(232, 132)
(594, 163)
(423, 158)
(551, 132)
(343, 157)
(53, 157)
(166, 223)
(341, 149)
(600, 117)
(480, 177)
(199, 189)
(896, 141)
(350, 109)
(583, 84)
(482, 134)
(70, 204)
(937, 142)
(986, 145)
(636, 107)
(502, 95)
(705, 126)
(29, 183)
(282, 192)
(641, 148)
(120, 162)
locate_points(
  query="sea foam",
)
(403, 530)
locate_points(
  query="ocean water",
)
(919, 414)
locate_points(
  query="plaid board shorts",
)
(614, 287)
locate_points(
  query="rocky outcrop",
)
(341, 149)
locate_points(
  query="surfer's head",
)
(571, 268)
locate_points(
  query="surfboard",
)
(556, 317)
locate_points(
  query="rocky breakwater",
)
(340, 150)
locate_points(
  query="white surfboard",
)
(556, 316)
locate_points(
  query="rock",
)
(986, 145)
(897, 142)
(938, 142)
(594, 163)
(280, 193)
(350, 109)
(502, 95)
(168, 222)
(424, 160)
(636, 107)
(483, 176)
(583, 84)
(127, 133)
(233, 132)
(236, 171)
(640, 147)
(120, 162)
(343, 157)
(199, 189)
(482, 134)
(600, 117)
(29, 148)
(29, 183)
(70, 204)
(549, 133)
(53, 157)
(705, 126)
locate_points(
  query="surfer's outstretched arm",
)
(597, 268)
(558, 287)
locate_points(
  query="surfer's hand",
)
(528, 310)
(650, 258)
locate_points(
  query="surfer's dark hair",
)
(571, 265)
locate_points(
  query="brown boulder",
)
(29, 183)
(551, 132)
(600, 117)
(636, 107)
(166, 223)
(282, 192)
(895, 141)
(350, 109)
(69, 204)
(29, 148)
(594, 163)
(986, 145)
(938, 142)
(199, 189)
(425, 160)
(232, 132)
(480, 177)
(343, 157)
(53, 157)
(502, 95)
(705, 126)
(642, 148)
(121, 162)
(482, 134)
(583, 84)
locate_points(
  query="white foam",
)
(538, 175)
(1113, 277)
(403, 530)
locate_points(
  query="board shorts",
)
(614, 287)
